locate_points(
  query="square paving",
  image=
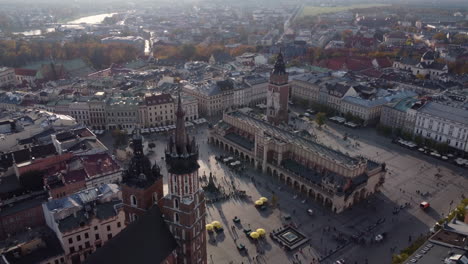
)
(327, 232)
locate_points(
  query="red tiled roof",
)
(83, 132)
(158, 99)
(358, 64)
(25, 72)
(98, 164)
(336, 64)
(362, 41)
(74, 176)
(384, 62)
(371, 72)
(349, 63)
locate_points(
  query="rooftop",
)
(79, 199)
(432, 253)
(158, 99)
(97, 164)
(147, 240)
(50, 248)
(295, 139)
(103, 211)
(446, 112)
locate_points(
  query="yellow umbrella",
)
(254, 235)
(216, 224)
(261, 231)
(263, 199)
(209, 227)
(258, 202)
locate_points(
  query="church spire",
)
(280, 67)
(180, 133)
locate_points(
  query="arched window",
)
(176, 217)
(176, 203)
(133, 217)
(133, 201)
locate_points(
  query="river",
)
(96, 19)
(91, 20)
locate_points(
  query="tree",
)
(188, 51)
(320, 119)
(419, 140)
(345, 35)
(440, 36)
(420, 76)
(460, 39)
(32, 180)
(441, 147)
(349, 116)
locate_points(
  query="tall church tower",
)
(142, 184)
(278, 93)
(184, 206)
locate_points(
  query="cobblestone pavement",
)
(408, 172)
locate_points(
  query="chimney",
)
(466, 215)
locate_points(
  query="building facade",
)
(306, 87)
(336, 180)
(258, 86)
(7, 76)
(83, 222)
(213, 96)
(156, 110)
(400, 115)
(80, 112)
(444, 124)
(142, 185)
(97, 113)
(184, 206)
(190, 107)
(278, 93)
(122, 112)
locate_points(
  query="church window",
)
(133, 201)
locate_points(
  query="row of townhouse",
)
(440, 122)
(101, 112)
(214, 97)
(342, 96)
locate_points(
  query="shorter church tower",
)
(142, 184)
(184, 206)
(278, 93)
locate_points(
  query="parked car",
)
(424, 205)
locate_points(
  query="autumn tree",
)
(15, 53)
(187, 51)
(460, 39)
(440, 36)
(320, 119)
